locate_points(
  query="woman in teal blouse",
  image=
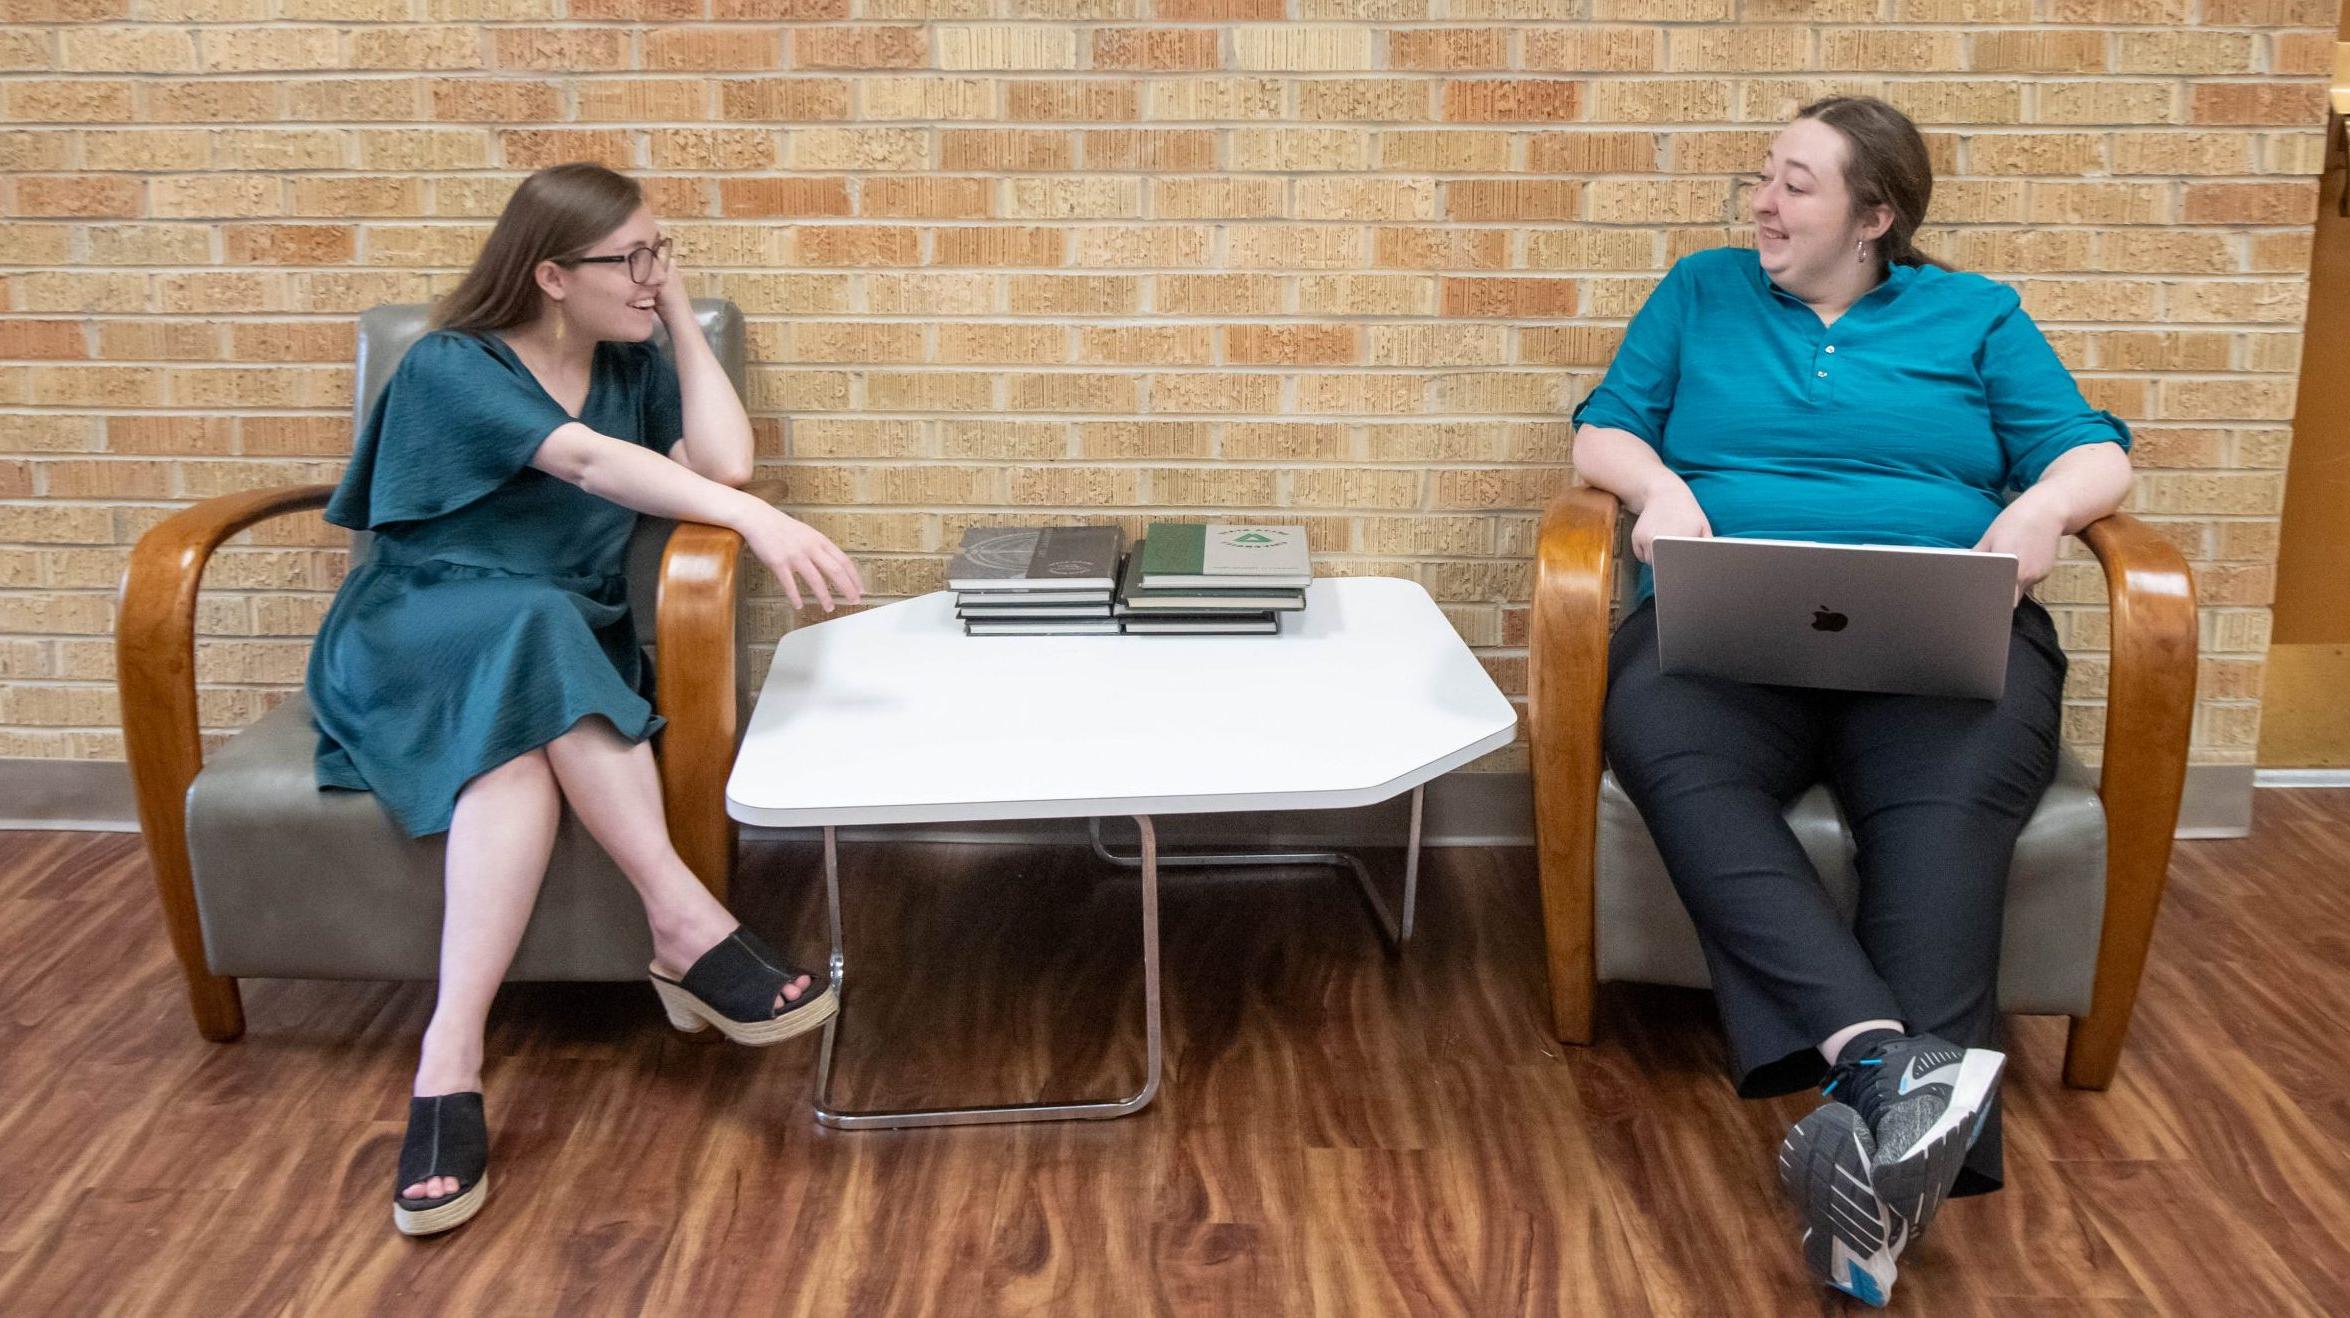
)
(479, 668)
(1834, 384)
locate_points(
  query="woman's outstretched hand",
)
(798, 553)
(1669, 509)
(2029, 531)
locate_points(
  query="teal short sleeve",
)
(456, 421)
(2037, 411)
(1637, 393)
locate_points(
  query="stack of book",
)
(1225, 579)
(1037, 581)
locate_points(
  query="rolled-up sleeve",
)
(1637, 393)
(2036, 408)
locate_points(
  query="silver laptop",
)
(1930, 622)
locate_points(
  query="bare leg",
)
(612, 785)
(499, 839)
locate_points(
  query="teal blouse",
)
(490, 615)
(1906, 422)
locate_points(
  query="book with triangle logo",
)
(1224, 580)
(1225, 556)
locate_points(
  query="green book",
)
(1225, 555)
(1245, 599)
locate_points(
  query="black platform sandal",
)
(447, 1136)
(734, 987)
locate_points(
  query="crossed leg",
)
(500, 837)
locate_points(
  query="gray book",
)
(973, 610)
(1030, 558)
(1032, 597)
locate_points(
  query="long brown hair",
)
(1885, 165)
(558, 212)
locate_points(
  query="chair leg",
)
(2093, 1050)
(1573, 997)
(1567, 923)
(2135, 871)
(218, 1008)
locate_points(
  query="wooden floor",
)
(1341, 1132)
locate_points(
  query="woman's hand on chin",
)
(1669, 509)
(673, 302)
(2029, 531)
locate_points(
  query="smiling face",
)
(599, 299)
(1804, 223)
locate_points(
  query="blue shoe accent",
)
(1861, 1286)
(1828, 1090)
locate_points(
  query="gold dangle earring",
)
(562, 322)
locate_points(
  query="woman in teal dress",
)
(480, 669)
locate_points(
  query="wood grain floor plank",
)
(1343, 1131)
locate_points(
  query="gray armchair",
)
(2089, 869)
(261, 874)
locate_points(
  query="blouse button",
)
(1823, 375)
(1831, 347)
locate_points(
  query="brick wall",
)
(1339, 262)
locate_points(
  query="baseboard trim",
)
(2301, 778)
(1463, 810)
(2216, 802)
(85, 796)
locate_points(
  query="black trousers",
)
(1935, 789)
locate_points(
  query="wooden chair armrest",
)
(695, 667)
(155, 672)
(1567, 640)
(1567, 634)
(2150, 700)
(2149, 710)
(155, 637)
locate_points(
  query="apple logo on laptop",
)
(1825, 619)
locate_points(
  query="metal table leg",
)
(1396, 931)
(1083, 1110)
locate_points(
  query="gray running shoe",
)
(1924, 1100)
(1850, 1237)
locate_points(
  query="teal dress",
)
(492, 614)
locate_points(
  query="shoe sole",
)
(1850, 1237)
(1917, 1183)
(445, 1217)
(692, 1015)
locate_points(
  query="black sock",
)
(1851, 1080)
(1864, 1043)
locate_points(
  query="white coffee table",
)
(893, 716)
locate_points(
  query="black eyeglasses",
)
(641, 261)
